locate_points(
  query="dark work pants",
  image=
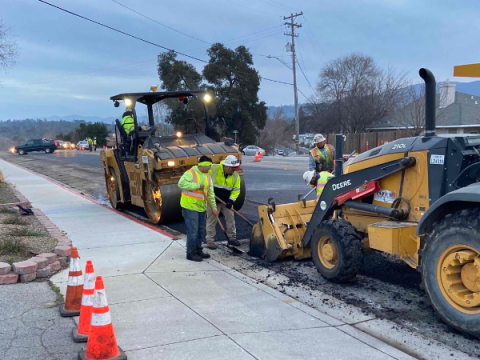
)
(196, 229)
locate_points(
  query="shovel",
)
(234, 211)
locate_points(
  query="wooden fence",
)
(360, 142)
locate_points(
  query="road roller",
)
(417, 198)
(143, 169)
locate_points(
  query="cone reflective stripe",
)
(81, 333)
(73, 298)
(257, 158)
(102, 343)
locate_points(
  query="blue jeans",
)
(196, 229)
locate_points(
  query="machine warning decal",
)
(437, 159)
(385, 196)
(145, 159)
(323, 205)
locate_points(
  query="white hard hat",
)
(308, 175)
(318, 138)
(231, 161)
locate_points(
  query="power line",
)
(305, 76)
(159, 23)
(140, 39)
(120, 31)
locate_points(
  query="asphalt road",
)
(385, 287)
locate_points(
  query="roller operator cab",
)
(417, 198)
(144, 169)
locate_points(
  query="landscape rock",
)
(25, 267)
(55, 266)
(4, 268)
(10, 278)
(44, 272)
(62, 260)
(49, 256)
(41, 262)
(63, 251)
(28, 277)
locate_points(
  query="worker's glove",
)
(229, 204)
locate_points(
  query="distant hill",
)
(93, 119)
(471, 88)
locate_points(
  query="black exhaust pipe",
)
(430, 100)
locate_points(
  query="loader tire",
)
(450, 257)
(337, 250)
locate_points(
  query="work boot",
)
(211, 245)
(194, 257)
(202, 254)
(234, 242)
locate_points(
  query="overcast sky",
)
(67, 65)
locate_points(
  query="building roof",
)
(465, 111)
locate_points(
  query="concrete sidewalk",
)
(164, 306)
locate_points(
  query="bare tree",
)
(358, 92)
(278, 131)
(161, 112)
(411, 109)
(8, 48)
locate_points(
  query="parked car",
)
(82, 145)
(67, 145)
(48, 146)
(281, 152)
(250, 150)
(58, 144)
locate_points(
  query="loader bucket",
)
(280, 231)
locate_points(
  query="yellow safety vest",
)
(128, 124)
(94, 142)
(322, 180)
(230, 184)
(319, 158)
(195, 199)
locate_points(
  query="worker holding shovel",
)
(226, 182)
(197, 191)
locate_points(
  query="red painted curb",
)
(151, 227)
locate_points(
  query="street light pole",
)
(295, 93)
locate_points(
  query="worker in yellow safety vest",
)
(90, 143)
(226, 182)
(95, 143)
(128, 123)
(197, 189)
(322, 155)
(318, 180)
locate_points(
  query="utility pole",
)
(295, 94)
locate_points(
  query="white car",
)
(82, 145)
(251, 150)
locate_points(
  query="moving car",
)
(67, 145)
(58, 144)
(250, 150)
(82, 145)
(45, 145)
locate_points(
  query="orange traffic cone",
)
(256, 156)
(81, 333)
(260, 154)
(73, 299)
(102, 344)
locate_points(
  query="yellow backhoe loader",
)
(143, 170)
(418, 198)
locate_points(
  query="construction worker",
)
(311, 177)
(226, 182)
(197, 189)
(90, 143)
(95, 143)
(322, 155)
(128, 123)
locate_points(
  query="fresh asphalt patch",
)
(386, 287)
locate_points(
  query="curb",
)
(151, 227)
